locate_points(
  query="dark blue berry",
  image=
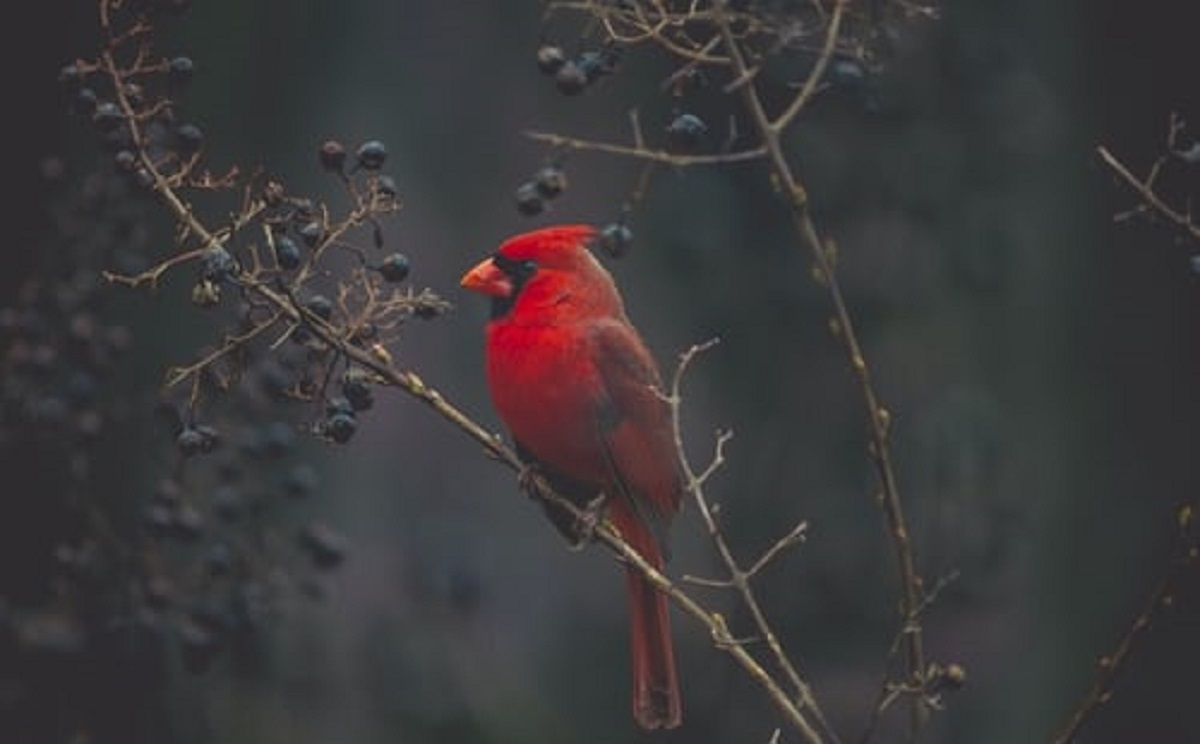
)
(686, 130)
(529, 199)
(310, 233)
(371, 155)
(287, 253)
(394, 267)
(616, 238)
(180, 71)
(189, 139)
(320, 306)
(340, 427)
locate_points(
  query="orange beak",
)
(486, 278)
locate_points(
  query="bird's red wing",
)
(635, 422)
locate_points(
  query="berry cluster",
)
(573, 75)
(547, 183)
(306, 302)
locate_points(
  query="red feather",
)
(580, 393)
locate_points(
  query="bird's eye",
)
(519, 271)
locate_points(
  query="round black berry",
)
(180, 71)
(616, 238)
(357, 389)
(394, 268)
(529, 199)
(340, 427)
(287, 253)
(686, 130)
(320, 306)
(189, 139)
(218, 265)
(371, 155)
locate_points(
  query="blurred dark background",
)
(1038, 358)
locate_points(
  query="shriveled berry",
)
(550, 57)
(550, 181)
(180, 71)
(394, 267)
(529, 199)
(287, 253)
(570, 79)
(686, 130)
(189, 139)
(371, 155)
(340, 427)
(616, 239)
(320, 305)
(332, 156)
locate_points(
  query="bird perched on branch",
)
(581, 395)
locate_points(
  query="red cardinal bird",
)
(578, 390)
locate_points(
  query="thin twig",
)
(1145, 191)
(1186, 558)
(739, 578)
(877, 416)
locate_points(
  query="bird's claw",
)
(589, 519)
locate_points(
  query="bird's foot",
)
(590, 517)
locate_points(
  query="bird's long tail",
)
(656, 700)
